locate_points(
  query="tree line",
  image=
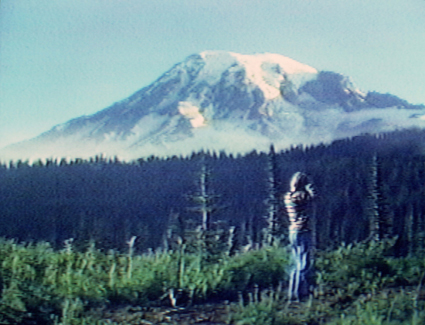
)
(369, 186)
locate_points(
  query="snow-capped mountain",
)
(226, 101)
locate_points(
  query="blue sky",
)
(60, 59)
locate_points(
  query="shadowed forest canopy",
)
(367, 186)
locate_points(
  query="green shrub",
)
(352, 269)
(387, 308)
(265, 267)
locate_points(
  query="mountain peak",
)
(266, 70)
(221, 100)
(250, 61)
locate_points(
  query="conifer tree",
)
(372, 200)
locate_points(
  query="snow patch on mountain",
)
(191, 112)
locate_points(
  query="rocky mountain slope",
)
(226, 101)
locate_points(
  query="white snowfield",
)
(267, 71)
(219, 100)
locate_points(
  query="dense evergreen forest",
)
(370, 186)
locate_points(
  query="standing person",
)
(298, 206)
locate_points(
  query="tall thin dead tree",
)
(272, 202)
(204, 199)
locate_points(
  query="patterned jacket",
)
(298, 203)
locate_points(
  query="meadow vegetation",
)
(356, 284)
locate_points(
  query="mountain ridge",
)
(227, 101)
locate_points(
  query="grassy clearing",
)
(356, 284)
(44, 285)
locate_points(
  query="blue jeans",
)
(299, 277)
